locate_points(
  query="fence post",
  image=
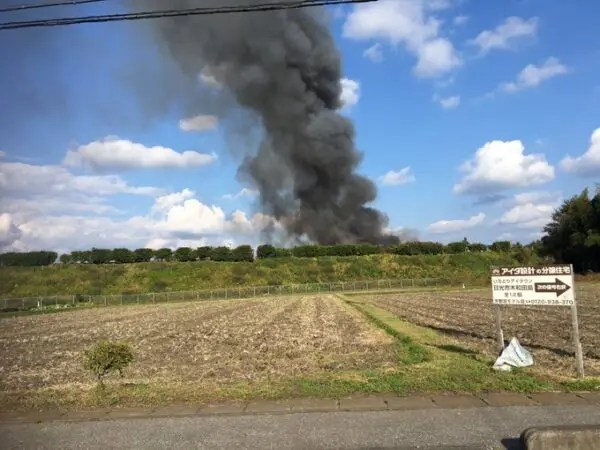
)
(390, 284)
(105, 302)
(268, 290)
(367, 286)
(23, 303)
(153, 298)
(121, 299)
(254, 291)
(413, 282)
(329, 287)
(73, 300)
(5, 303)
(211, 294)
(197, 295)
(239, 292)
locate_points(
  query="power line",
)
(173, 13)
(47, 5)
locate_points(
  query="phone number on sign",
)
(533, 301)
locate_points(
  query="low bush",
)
(106, 357)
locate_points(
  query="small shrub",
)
(105, 357)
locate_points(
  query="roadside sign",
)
(536, 286)
(533, 285)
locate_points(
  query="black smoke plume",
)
(284, 67)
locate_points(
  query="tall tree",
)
(573, 235)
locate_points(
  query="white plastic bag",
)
(513, 356)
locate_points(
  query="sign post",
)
(536, 286)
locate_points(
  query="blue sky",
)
(465, 112)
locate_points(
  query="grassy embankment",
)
(175, 276)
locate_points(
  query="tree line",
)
(572, 237)
(241, 253)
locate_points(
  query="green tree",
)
(573, 235)
(183, 254)
(81, 257)
(458, 247)
(41, 258)
(122, 255)
(203, 253)
(163, 254)
(501, 246)
(221, 254)
(478, 247)
(266, 251)
(309, 251)
(143, 254)
(100, 255)
(66, 258)
(242, 253)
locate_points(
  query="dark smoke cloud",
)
(284, 67)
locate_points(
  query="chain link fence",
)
(58, 301)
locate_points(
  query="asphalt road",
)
(476, 428)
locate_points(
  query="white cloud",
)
(193, 217)
(502, 165)
(435, 58)
(37, 195)
(506, 34)
(121, 154)
(453, 226)
(448, 102)
(532, 75)
(2, 154)
(201, 122)
(460, 20)
(63, 203)
(9, 232)
(173, 221)
(165, 202)
(531, 209)
(396, 178)
(374, 53)
(48, 207)
(408, 23)
(505, 237)
(28, 179)
(350, 92)
(244, 192)
(587, 164)
(528, 215)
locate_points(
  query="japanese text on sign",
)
(533, 285)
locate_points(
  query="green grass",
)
(407, 351)
(173, 276)
(587, 384)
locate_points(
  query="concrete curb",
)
(562, 438)
(380, 402)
